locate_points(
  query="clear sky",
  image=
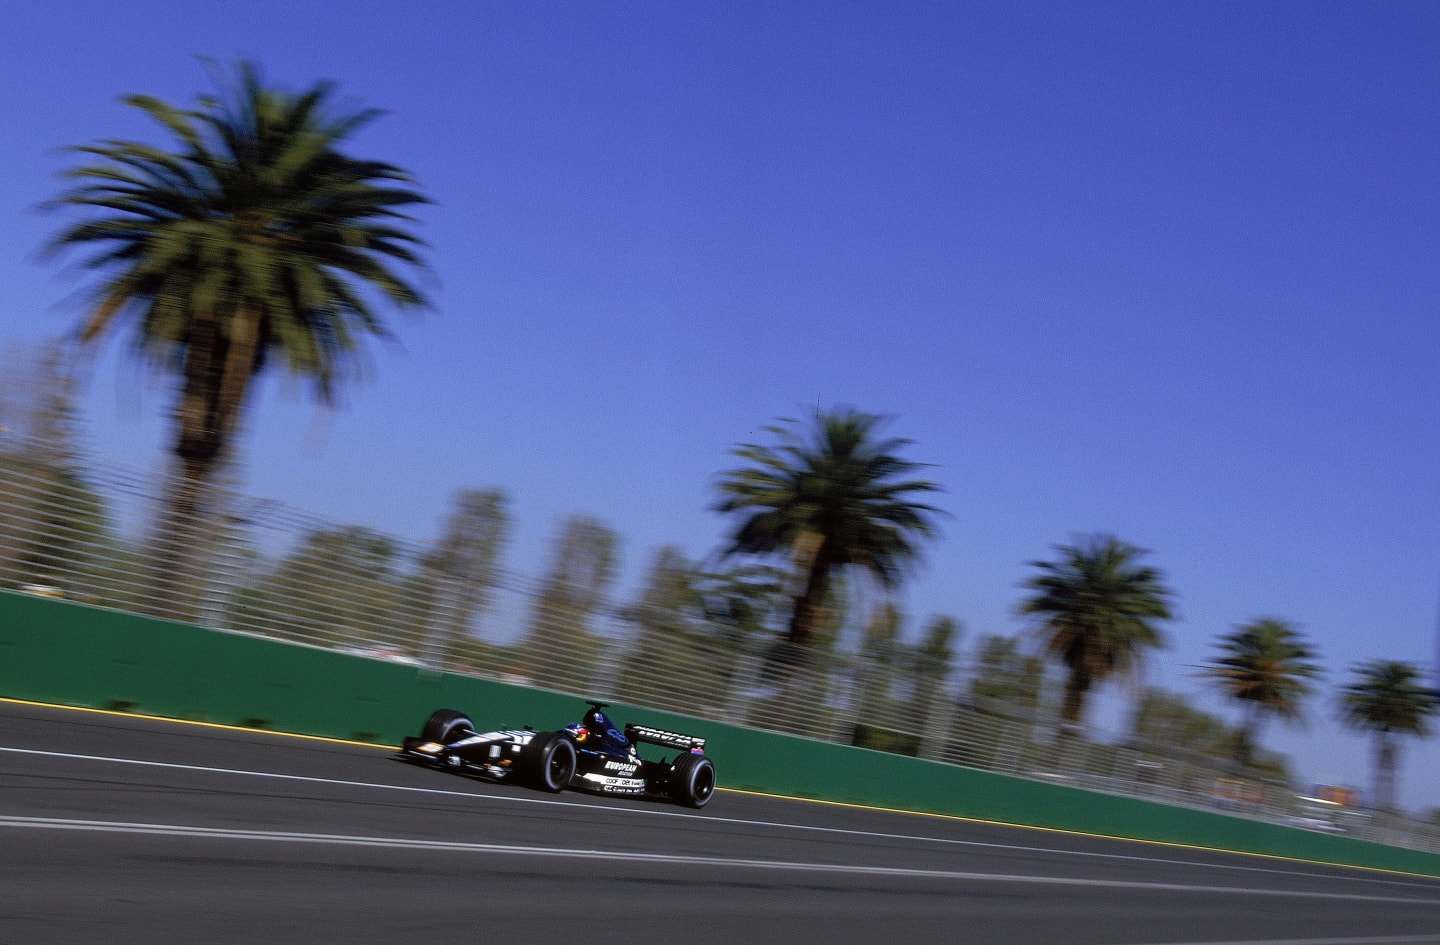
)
(1168, 270)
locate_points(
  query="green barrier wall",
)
(69, 654)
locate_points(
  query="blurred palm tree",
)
(1100, 611)
(565, 637)
(832, 497)
(1165, 724)
(1266, 666)
(254, 240)
(1388, 700)
(461, 573)
(933, 661)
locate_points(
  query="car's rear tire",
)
(547, 762)
(692, 780)
(444, 725)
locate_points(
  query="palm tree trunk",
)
(216, 377)
(176, 575)
(1386, 761)
(1072, 709)
(810, 607)
(1076, 687)
(1247, 742)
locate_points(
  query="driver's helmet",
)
(599, 726)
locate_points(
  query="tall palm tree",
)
(1266, 666)
(1388, 700)
(832, 497)
(1099, 610)
(254, 240)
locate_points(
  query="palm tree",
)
(833, 497)
(1100, 611)
(1266, 666)
(1387, 700)
(254, 240)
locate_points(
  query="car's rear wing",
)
(658, 736)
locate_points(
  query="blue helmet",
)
(598, 725)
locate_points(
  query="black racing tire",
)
(444, 725)
(547, 762)
(692, 780)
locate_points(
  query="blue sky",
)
(1166, 270)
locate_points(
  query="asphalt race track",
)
(117, 830)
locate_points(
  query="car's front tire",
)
(445, 725)
(547, 762)
(692, 780)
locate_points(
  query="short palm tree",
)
(1266, 666)
(1099, 610)
(831, 497)
(1388, 700)
(255, 240)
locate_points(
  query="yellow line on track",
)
(218, 725)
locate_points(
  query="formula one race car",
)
(590, 755)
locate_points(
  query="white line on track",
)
(1417, 883)
(670, 859)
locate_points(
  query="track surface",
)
(117, 829)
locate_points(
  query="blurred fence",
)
(76, 529)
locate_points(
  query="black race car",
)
(589, 755)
